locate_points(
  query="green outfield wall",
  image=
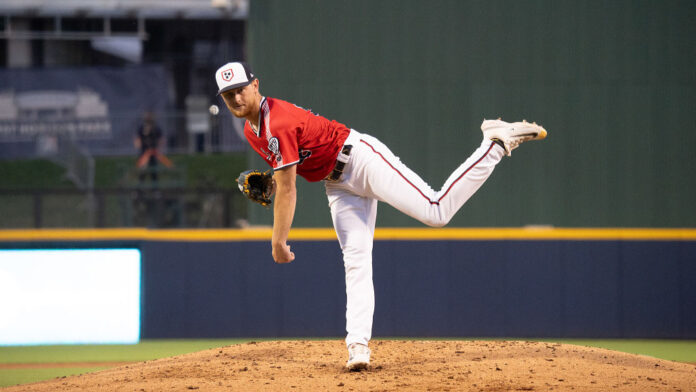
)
(613, 82)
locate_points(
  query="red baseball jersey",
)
(289, 135)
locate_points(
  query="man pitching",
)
(358, 171)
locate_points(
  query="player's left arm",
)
(283, 212)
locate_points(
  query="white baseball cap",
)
(233, 75)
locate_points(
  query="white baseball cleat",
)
(358, 357)
(511, 135)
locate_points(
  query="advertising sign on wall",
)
(99, 107)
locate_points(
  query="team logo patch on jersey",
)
(273, 145)
(227, 75)
(274, 148)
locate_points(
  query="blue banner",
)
(98, 107)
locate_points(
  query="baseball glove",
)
(256, 185)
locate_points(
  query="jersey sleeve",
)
(286, 145)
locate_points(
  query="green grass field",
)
(673, 350)
(676, 350)
(143, 351)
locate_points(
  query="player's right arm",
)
(283, 212)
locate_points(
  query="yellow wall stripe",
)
(327, 234)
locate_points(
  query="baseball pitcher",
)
(358, 171)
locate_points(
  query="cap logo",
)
(227, 75)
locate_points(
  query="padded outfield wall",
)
(614, 82)
(428, 282)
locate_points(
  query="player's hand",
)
(282, 253)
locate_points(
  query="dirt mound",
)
(396, 366)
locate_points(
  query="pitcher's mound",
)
(395, 366)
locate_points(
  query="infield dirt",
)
(396, 366)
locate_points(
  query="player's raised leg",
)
(354, 220)
(382, 175)
(387, 179)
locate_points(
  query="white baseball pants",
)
(373, 173)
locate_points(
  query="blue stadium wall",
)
(553, 286)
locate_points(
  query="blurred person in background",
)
(149, 140)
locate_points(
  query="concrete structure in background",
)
(188, 37)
